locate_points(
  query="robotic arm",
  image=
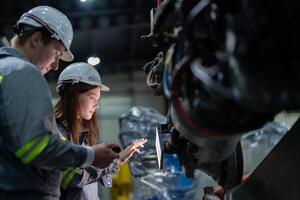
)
(225, 67)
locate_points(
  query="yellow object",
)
(1, 77)
(121, 184)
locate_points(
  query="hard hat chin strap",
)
(72, 81)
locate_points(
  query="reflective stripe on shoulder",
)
(67, 177)
(1, 78)
(32, 148)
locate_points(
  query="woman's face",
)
(88, 102)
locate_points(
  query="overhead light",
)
(93, 61)
(83, 0)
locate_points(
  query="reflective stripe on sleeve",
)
(32, 149)
(68, 176)
(1, 78)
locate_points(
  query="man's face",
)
(48, 56)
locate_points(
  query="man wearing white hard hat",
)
(32, 150)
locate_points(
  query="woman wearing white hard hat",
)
(79, 87)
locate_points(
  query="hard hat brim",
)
(67, 56)
(104, 88)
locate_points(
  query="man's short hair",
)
(25, 31)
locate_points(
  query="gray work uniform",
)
(82, 184)
(32, 151)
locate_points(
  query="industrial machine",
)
(225, 68)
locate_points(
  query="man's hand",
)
(131, 149)
(104, 155)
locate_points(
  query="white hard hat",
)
(81, 72)
(55, 22)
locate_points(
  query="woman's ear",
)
(60, 88)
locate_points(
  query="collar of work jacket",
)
(8, 51)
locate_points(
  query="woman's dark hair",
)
(67, 111)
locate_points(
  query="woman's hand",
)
(125, 154)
